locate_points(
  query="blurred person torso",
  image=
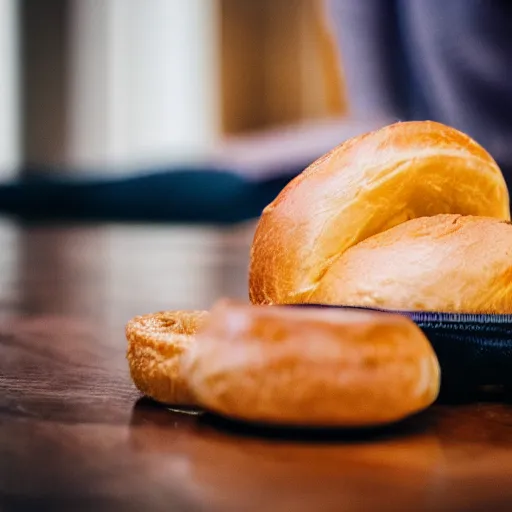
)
(444, 60)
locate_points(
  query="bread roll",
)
(156, 346)
(446, 263)
(363, 187)
(311, 366)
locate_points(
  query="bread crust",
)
(448, 263)
(363, 187)
(311, 366)
(156, 345)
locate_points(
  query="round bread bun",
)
(448, 263)
(363, 187)
(311, 366)
(156, 346)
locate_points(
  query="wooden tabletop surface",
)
(75, 434)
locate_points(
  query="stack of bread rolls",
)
(411, 216)
(414, 216)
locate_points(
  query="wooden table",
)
(75, 435)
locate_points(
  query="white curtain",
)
(143, 82)
(9, 86)
(140, 84)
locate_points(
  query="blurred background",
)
(243, 94)
(163, 127)
(130, 130)
(117, 86)
(97, 90)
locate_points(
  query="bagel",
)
(367, 186)
(311, 366)
(156, 346)
(449, 263)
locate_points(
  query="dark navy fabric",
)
(178, 195)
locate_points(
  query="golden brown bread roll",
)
(311, 367)
(443, 263)
(361, 188)
(156, 346)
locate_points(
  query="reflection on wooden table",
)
(113, 272)
(75, 435)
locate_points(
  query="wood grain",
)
(75, 434)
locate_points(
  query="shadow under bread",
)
(147, 412)
(318, 435)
